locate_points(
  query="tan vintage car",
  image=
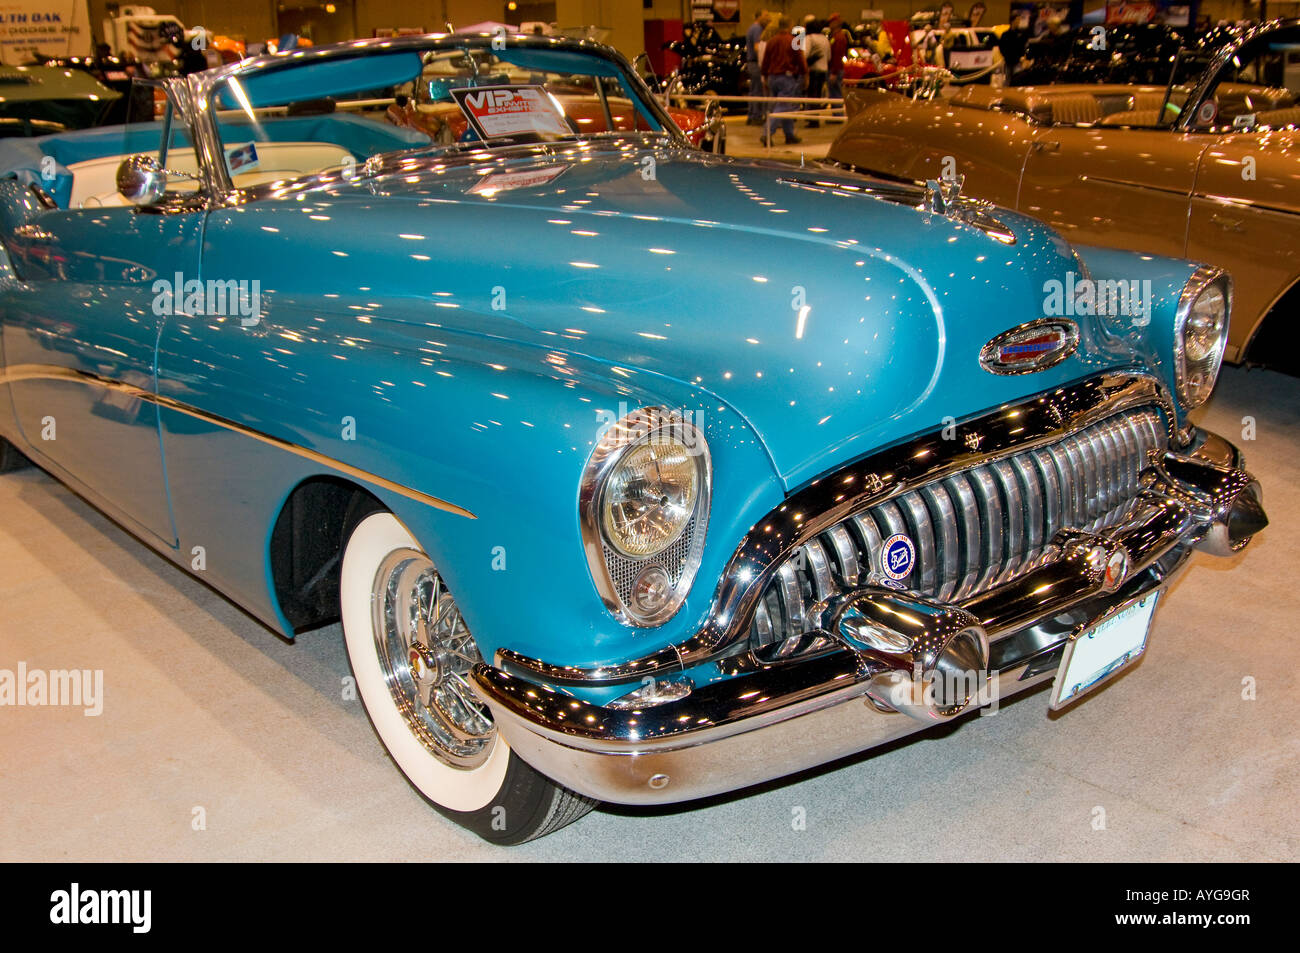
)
(1209, 170)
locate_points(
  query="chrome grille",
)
(975, 529)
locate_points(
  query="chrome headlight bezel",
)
(1191, 395)
(613, 572)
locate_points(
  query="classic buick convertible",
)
(1209, 170)
(588, 537)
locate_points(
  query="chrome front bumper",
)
(765, 721)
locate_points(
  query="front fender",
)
(513, 453)
(1150, 335)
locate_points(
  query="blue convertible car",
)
(634, 473)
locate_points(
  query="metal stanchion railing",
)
(827, 114)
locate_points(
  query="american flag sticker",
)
(241, 158)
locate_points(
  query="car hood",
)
(832, 322)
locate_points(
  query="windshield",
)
(1258, 86)
(333, 114)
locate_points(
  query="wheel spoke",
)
(414, 610)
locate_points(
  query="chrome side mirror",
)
(141, 180)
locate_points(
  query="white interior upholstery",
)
(94, 181)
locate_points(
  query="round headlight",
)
(1201, 334)
(644, 505)
(649, 497)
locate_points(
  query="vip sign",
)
(44, 28)
(496, 111)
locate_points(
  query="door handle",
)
(1047, 145)
(1227, 224)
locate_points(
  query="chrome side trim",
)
(1010, 429)
(1239, 202)
(26, 372)
(1136, 186)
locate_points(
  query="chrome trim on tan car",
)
(811, 511)
(765, 720)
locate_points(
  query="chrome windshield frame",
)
(199, 88)
(1210, 78)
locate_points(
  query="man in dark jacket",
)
(786, 71)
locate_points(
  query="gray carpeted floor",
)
(211, 722)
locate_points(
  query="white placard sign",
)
(53, 28)
(496, 111)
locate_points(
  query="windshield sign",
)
(496, 111)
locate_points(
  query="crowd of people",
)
(787, 63)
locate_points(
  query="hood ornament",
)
(942, 195)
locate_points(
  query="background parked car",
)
(1209, 169)
(38, 100)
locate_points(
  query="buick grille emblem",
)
(1031, 347)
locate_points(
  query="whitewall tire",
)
(411, 653)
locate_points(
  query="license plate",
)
(1102, 650)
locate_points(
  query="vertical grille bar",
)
(918, 520)
(944, 518)
(968, 531)
(846, 553)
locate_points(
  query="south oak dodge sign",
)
(43, 28)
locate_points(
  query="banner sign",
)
(49, 28)
(1148, 11)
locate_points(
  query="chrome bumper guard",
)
(885, 655)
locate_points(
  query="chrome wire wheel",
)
(426, 653)
(412, 655)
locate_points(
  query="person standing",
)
(818, 56)
(786, 72)
(839, 40)
(753, 65)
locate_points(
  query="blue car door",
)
(92, 290)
